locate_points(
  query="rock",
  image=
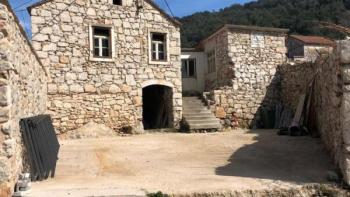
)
(52, 88)
(64, 59)
(75, 88)
(4, 114)
(344, 49)
(91, 130)
(4, 96)
(89, 88)
(220, 112)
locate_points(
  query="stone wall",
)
(22, 94)
(326, 102)
(344, 53)
(109, 92)
(246, 79)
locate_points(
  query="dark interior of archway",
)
(157, 107)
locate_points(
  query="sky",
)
(179, 8)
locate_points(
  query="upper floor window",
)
(211, 62)
(158, 47)
(102, 42)
(188, 68)
(117, 2)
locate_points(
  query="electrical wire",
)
(167, 4)
(22, 4)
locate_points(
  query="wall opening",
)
(157, 107)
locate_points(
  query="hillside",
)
(297, 15)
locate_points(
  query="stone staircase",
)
(198, 116)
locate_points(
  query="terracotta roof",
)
(173, 20)
(314, 40)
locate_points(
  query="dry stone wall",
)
(22, 94)
(326, 101)
(109, 92)
(247, 79)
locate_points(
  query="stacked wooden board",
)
(41, 145)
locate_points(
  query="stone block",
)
(5, 65)
(220, 112)
(4, 96)
(344, 51)
(346, 74)
(52, 88)
(75, 88)
(89, 88)
(4, 114)
(64, 59)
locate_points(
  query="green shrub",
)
(158, 194)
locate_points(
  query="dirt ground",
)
(185, 163)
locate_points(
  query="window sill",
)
(94, 59)
(189, 77)
(159, 62)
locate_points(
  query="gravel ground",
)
(185, 163)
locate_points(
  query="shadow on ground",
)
(284, 158)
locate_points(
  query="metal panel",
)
(42, 146)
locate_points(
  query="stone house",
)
(240, 71)
(114, 62)
(308, 48)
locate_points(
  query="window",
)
(189, 68)
(158, 47)
(102, 42)
(211, 62)
(257, 40)
(117, 2)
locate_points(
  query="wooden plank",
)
(300, 109)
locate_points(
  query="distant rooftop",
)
(314, 40)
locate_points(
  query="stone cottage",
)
(308, 48)
(114, 62)
(240, 72)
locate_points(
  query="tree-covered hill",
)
(297, 15)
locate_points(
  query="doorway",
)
(157, 107)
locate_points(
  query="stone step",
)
(198, 115)
(205, 113)
(199, 111)
(190, 98)
(205, 117)
(204, 121)
(205, 126)
(193, 103)
(196, 109)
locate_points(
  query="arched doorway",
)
(157, 107)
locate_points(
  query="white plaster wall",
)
(195, 84)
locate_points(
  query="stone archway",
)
(157, 109)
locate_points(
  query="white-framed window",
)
(117, 2)
(101, 43)
(257, 40)
(188, 68)
(211, 62)
(158, 47)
